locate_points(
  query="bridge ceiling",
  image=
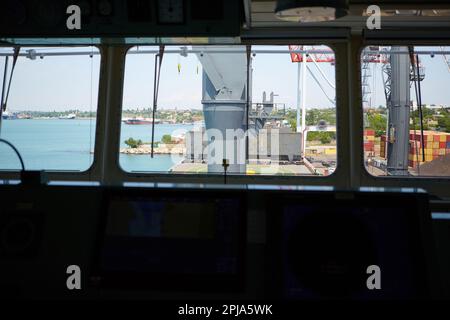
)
(395, 13)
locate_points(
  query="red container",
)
(369, 146)
(442, 145)
(412, 147)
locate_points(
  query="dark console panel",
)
(120, 18)
(233, 242)
(167, 239)
(327, 244)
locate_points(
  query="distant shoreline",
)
(177, 148)
(93, 118)
(54, 118)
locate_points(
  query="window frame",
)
(81, 175)
(439, 178)
(437, 186)
(331, 179)
(350, 171)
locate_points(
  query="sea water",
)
(56, 144)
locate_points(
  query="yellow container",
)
(436, 145)
(416, 157)
(443, 138)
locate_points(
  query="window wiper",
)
(417, 86)
(4, 100)
(158, 63)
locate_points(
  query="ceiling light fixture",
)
(311, 10)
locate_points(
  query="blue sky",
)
(435, 87)
(62, 83)
(271, 72)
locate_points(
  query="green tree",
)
(325, 139)
(417, 125)
(377, 122)
(323, 136)
(132, 143)
(444, 123)
(293, 124)
(167, 138)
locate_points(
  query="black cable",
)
(15, 57)
(155, 91)
(415, 131)
(417, 87)
(3, 91)
(225, 168)
(416, 90)
(249, 51)
(16, 151)
(4, 82)
(420, 107)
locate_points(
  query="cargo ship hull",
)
(139, 121)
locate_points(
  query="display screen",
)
(326, 251)
(173, 235)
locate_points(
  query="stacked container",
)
(383, 146)
(369, 140)
(372, 144)
(436, 144)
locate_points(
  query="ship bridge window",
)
(406, 103)
(204, 121)
(51, 107)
